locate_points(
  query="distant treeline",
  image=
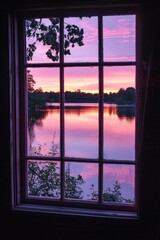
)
(39, 98)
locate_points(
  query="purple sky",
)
(117, 31)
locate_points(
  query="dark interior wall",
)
(35, 226)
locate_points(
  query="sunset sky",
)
(118, 45)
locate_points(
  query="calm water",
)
(81, 141)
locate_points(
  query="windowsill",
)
(107, 214)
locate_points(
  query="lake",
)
(81, 140)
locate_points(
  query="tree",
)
(48, 33)
(44, 181)
(72, 185)
(44, 178)
(37, 30)
(111, 195)
(31, 82)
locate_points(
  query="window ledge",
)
(126, 215)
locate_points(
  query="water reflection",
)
(44, 132)
(82, 121)
(119, 133)
(81, 181)
(118, 183)
(127, 112)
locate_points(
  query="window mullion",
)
(100, 47)
(62, 107)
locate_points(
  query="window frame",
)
(19, 201)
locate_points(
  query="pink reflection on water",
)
(89, 173)
(124, 174)
(46, 135)
(81, 132)
(119, 136)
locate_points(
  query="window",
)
(78, 109)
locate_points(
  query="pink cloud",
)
(119, 27)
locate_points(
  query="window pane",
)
(83, 44)
(119, 113)
(81, 181)
(118, 183)
(42, 40)
(119, 38)
(80, 146)
(43, 112)
(81, 112)
(43, 179)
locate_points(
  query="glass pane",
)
(119, 183)
(119, 113)
(43, 112)
(81, 112)
(81, 181)
(42, 40)
(119, 38)
(43, 179)
(81, 39)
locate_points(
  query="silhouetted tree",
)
(44, 181)
(111, 195)
(31, 82)
(48, 34)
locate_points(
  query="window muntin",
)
(79, 164)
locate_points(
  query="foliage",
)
(38, 99)
(111, 195)
(48, 33)
(114, 195)
(31, 82)
(72, 186)
(44, 181)
(44, 176)
(123, 96)
(54, 148)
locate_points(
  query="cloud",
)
(119, 27)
